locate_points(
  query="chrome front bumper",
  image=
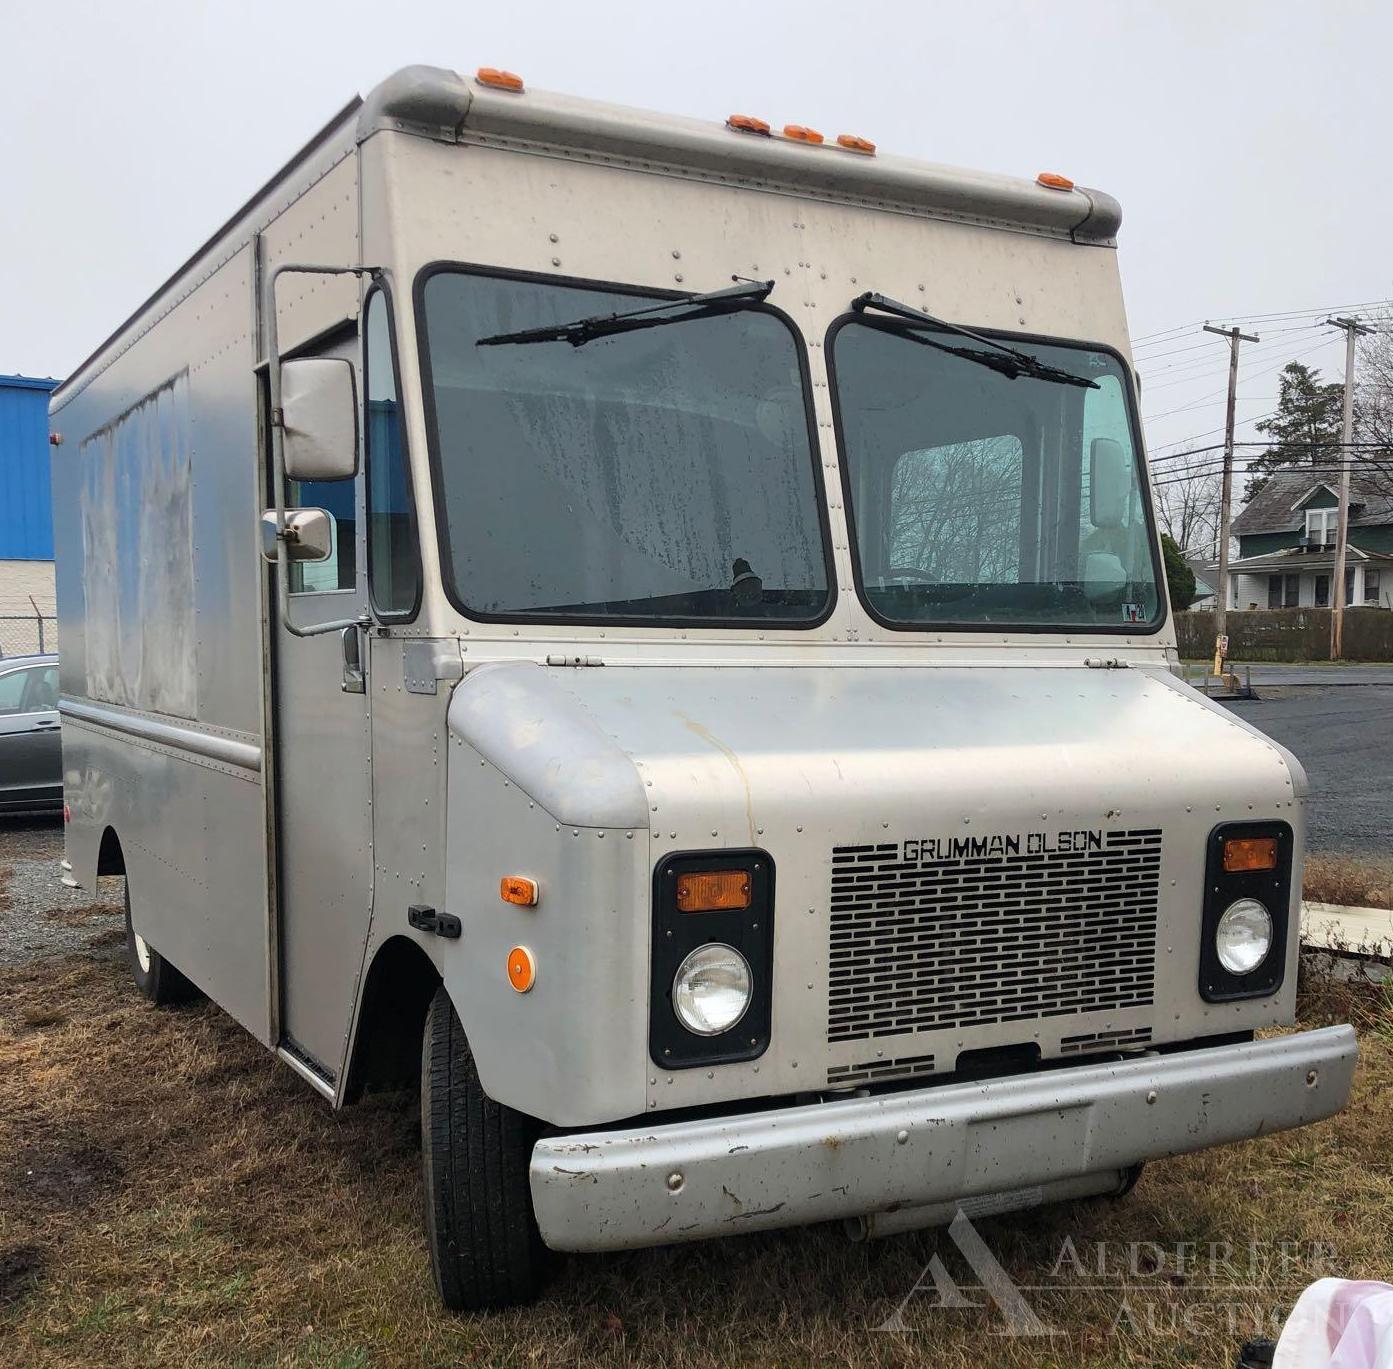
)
(615, 1190)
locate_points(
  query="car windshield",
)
(661, 475)
(977, 498)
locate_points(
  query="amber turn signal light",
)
(498, 79)
(705, 891)
(520, 890)
(1244, 854)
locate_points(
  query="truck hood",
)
(709, 756)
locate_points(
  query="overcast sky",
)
(1247, 142)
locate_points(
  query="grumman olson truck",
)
(656, 629)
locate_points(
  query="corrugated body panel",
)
(26, 514)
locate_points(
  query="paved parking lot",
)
(1341, 729)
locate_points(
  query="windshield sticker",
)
(1133, 613)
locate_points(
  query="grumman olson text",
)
(1001, 844)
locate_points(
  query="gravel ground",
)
(39, 915)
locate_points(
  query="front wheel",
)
(485, 1250)
(155, 977)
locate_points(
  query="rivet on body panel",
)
(674, 1182)
(902, 1138)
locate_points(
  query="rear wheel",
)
(485, 1250)
(155, 977)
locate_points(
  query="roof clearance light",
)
(1053, 181)
(706, 891)
(799, 134)
(499, 79)
(1249, 853)
(854, 144)
(520, 890)
(747, 123)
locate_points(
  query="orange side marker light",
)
(1053, 181)
(520, 890)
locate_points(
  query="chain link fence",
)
(27, 634)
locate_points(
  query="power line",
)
(1154, 338)
(1176, 370)
(1266, 351)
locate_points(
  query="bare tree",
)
(1187, 502)
(1373, 407)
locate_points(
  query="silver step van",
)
(656, 630)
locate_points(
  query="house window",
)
(1322, 591)
(1371, 595)
(1321, 527)
(1349, 584)
(1292, 596)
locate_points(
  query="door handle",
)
(354, 679)
(45, 727)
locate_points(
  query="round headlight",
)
(1243, 936)
(711, 989)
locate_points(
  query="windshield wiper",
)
(581, 331)
(1005, 360)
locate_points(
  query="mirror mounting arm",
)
(278, 482)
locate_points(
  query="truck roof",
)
(441, 104)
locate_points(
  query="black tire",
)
(155, 977)
(485, 1250)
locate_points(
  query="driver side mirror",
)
(1109, 483)
(319, 419)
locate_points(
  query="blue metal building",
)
(26, 514)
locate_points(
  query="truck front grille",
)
(963, 940)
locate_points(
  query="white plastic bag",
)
(1339, 1324)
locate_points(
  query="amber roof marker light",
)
(747, 123)
(853, 143)
(498, 79)
(799, 133)
(1052, 180)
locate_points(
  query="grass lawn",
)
(171, 1195)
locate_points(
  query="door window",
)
(394, 566)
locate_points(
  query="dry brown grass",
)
(171, 1195)
(1353, 881)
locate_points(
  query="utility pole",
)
(1221, 641)
(1352, 329)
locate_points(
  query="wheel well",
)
(387, 1043)
(111, 860)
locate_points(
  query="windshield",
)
(977, 498)
(662, 475)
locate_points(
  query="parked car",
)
(31, 757)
